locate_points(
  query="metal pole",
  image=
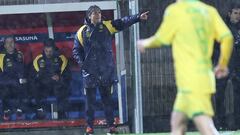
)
(118, 57)
(138, 118)
(50, 25)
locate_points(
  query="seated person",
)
(51, 78)
(12, 79)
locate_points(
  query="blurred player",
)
(191, 27)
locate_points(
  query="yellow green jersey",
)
(191, 27)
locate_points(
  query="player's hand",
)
(22, 80)
(220, 72)
(55, 77)
(144, 16)
(140, 45)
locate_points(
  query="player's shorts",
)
(193, 104)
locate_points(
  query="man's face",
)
(48, 52)
(235, 15)
(9, 45)
(95, 17)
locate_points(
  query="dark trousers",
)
(236, 90)
(12, 94)
(220, 98)
(43, 89)
(106, 96)
(221, 85)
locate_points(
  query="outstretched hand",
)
(144, 15)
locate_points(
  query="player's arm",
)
(226, 50)
(78, 50)
(120, 24)
(224, 36)
(125, 22)
(164, 34)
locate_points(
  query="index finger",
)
(146, 12)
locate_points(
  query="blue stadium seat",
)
(76, 99)
(76, 84)
(30, 116)
(76, 114)
(50, 99)
(100, 113)
(76, 93)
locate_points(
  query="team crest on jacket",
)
(88, 34)
(9, 63)
(42, 63)
(100, 28)
(19, 57)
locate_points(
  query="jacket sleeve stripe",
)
(79, 34)
(35, 62)
(64, 63)
(110, 27)
(1, 61)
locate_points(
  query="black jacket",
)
(11, 68)
(93, 50)
(45, 68)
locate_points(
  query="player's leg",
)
(106, 95)
(90, 109)
(202, 113)
(205, 125)
(178, 123)
(179, 117)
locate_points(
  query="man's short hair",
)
(48, 46)
(7, 37)
(92, 9)
(233, 5)
(49, 42)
